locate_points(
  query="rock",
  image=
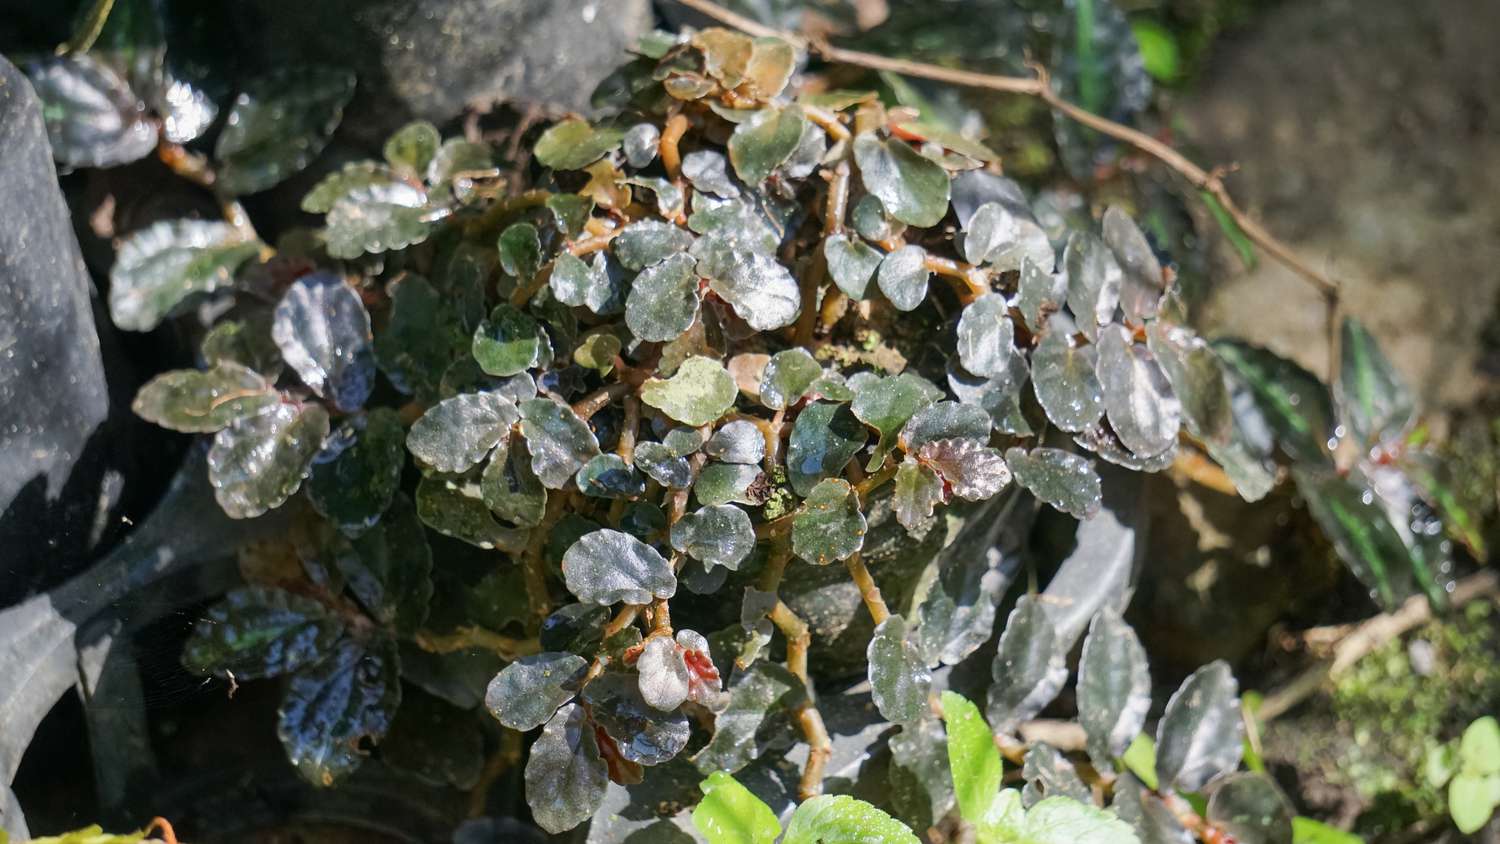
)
(429, 58)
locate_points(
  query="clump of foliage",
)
(732, 330)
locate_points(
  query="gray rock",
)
(429, 58)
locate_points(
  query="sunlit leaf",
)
(662, 465)
(835, 818)
(192, 400)
(278, 125)
(761, 144)
(1049, 774)
(323, 332)
(1066, 481)
(1114, 687)
(1297, 405)
(1039, 293)
(334, 708)
(1347, 511)
(985, 336)
(830, 525)
(754, 695)
(945, 420)
(559, 441)
(787, 378)
(160, 266)
(913, 188)
(1373, 400)
(718, 535)
(887, 404)
(1142, 409)
(730, 814)
(93, 118)
(1141, 280)
(1065, 381)
(663, 300)
(824, 439)
(723, 483)
(457, 509)
(510, 341)
(1030, 667)
(903, 277)
(456, 157)
(1197, 380)
(1199, 736)
(971, 469)
(526, 693)
(609, 476)
(611, 567)
(899, 679)
(641, 142)
(972, 756)
(565, 775)
(457, 433)
(663, 681)
(698, 393)
(739, 441)
(851, 263)
(510, 488)
(762, 292)
(918, 489)
(257, 463)
(575, 144)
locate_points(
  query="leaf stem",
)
(469, 637)
(874, 601)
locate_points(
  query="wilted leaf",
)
(1064, 378)
(1114, 687)
(903, 277)
(770, 67)
(511, 489)
(762, 143)
(1199, 736)
(899, 679)
(258, 631)
(986, 336)
(160, 266)
(194, 401)
(829, 818)
(611, 567)
(257, 463)
(93, 118)
(457, 433)
(698, 393)
(352, 485)
(559, 441)
(609, 476)
(972, 756)
(526, 693)
(1197, 380)
(1249, 807)
(323, 332)
(278, 125)
(730, 814)
(761, 290)
(333, 708)
(851, 263)
(887, 404)
(663, 300)
(972, 470)
(1030, 666)
(830, 525)
(574, 144)
(565, 775)
(1142, 409)
(1093, 281)
(719, 535)
(1373, 400)
(457, 509)
(824, 439)
(913, 188)
(1141, 281)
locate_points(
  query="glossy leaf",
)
(1066, 481)
(1347, 511)
(93, 119)
(1142, 409)
(565, 775)
(824, 439)
(663, 681)
(918, 489)
(698, 393)
(1147, 814)
(903, 277)
(609, 476)
(520, 250)
(764, 142)
(830, 525)
(1196, 378)
(1199, 736)
(1373, 400)
(1030, 667)
(762, 292)
(511, 490)
(663, 300)
(352, 485)
(257, 632)
(986, 336)
(257, 463)
(377, 218)
(160, 266)
(323, 332)
(1114, 687)
(887, 404)
(1472, 799)
(972, 470)
(333, 708)
(641, 143)
(945, 420)
(663, 466)
(1049, 774)
(390, 571)
(455, 434)
(456, 157)
(957, 615)
(708, 171)
(972, 756)
(278, 125)
(740, 441)
(1094, 279)
(1055, 820)
(1249, 807)
(787, 377)
(510, 342)
(718, 535)
(575, 282)
(827, 819)
(988, 228)
(754, 695)
(730, 814)
(1039, 293)
(457, 509)
(611, 567)
(194, 401)
(722, 483)
(422, 337)
(899, 679)
(1066, 385)
(913, 188)
(649, 242)
(1141, 282)
(559, 441)
(526, 693)
(575, 144)
(412, 147)
(1297, 405)
(851, 263)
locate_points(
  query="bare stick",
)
(819, 745)
(874, 601)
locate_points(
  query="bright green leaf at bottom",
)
(731, 814)
(841, 819)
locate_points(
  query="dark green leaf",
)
(574, 144)
(762, 143)
(1295, 403)
(1114, 688)
(719, 535)
(1030, 666)
(510, 488)
(1252, 809)
(457, 509)
(571, 212)
(761, 290)
(871, 220)
(1066, 481)
(332, 709)
(1152, 821)
(1197, 380)
(510, 342)
(323, 332)
(609, 476)
(698, 393)
(611, 567)
(730, 814)
(957, 615)
(457, 433)
(1346, 509)
(663, 466)
(648, 242)
(972, 756)
(390, 571)
(663, 300)
(831, 819)
(93, 118)
(753, 695)
(421, 338)
(830, 525)
(278, 125)
(787, 378)
(559, 441)
(258, 631)
(246, 342)
(921, 783)
(1096, 573)
(739, 441)
(722, 483)
(160, 266)
(903, 277)
(824, 439)
(1142, 409)
(520, 249)
(1093, 281)
(192, 400)
(352, 485)
(887, 404)
(985, 336)
(1199, 736)
(899, 679)
(643, 733)
(565, 776)
(1373, 400)
(1065, 381)
(257, 463)
(526, 693)
(1142, 281)
(851, 263)
(913, 188)
(412, 147)
(356, 175)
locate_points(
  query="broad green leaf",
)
(510, 341)
(830, 525)
(195, 401)
(1142, 409)
(986, 336)
(824, 439)
(570, 212)
(1114, 688)
(851, 263)
(560, 443)
(323, 331)
(739, 441)
(1049, 774)
(356, 175)
(565, 776)
(972, 757)
(1472, 799)
(1197, 380)
(663, 300)
(887, 404)
(972, 470)
(723, 483)
(899, 679)
(1347, 511)
(1199, 735)
(412, 147)
(698, 393)
(1479, 749)
(903, 277)
(730, 814)
(762, 292)
(93, 119)
(1055, 820)
(510, 488)
(598, 352)
(421, 339)
(259, 631)
(787, 378)
(640, 245)
(1093, 281)
(455, 158)
(663, 466)
(278, 125)
(1142, 282)
(256, 463)
(663, 681)
(1249, 807)
(609, 476)
(457, 433)
(1373, 400)
(574, 144)
(528, 692)
(353, 484)
(871, 220)
(912, 187)
(719, 535)
(918, 489)
(336, 707)
(1030, 666)
(457, 509)
(1039, 293)
(1066, 481)
(1309, 831)
(1140, 760)
(160, 266)
(246, 342)
(1065, 381)
(945, 420)
(755, 694)
(841, 819)
(1295, 403)
(390, 571)
(377, 218)
(611, 567)
(520, 250)
(761, 144)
